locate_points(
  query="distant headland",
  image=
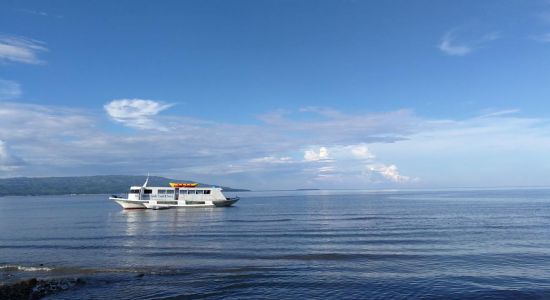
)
(99, 184)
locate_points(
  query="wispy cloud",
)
(38, 13)
(340, 128)
(9, 90)
(544, 16)
(451, 44)
(20, 50)
(8, 161)
(542, 38)
(499, 113)
(136, 113)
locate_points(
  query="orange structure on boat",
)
(179, 185)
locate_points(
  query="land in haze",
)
(100, 184)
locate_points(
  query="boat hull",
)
(151, 204)
(129, 204)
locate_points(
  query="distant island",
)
(100, 184)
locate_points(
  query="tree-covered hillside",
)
(107, 184)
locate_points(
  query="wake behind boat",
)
(177, 195)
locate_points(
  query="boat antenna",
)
(146, 181)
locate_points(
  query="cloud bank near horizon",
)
(358, 150)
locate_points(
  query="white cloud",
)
(136, 113)
(312, 155)
(20, 50)
(9, 90)
(388, 171)
(361, 151)
(451, 45)
(353, 163)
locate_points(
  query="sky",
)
(279, 94)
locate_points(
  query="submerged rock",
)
(19, 290)
(36, 289)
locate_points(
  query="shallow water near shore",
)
(492, 244)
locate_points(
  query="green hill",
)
(107, 184)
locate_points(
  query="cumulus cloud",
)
(361, 151)
(354, 163)
(21, 50)
(136, 113)
(388, 172)
(9, 90)
(450, 44)
(312, 155)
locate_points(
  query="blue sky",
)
(278, 94)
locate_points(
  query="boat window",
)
(207, 192)
(191, 191)
(194, 202)
(183, 192)
(200, 192)
(169, 191)
(134, 191)
(147, 191)
(161, 192)
(167, 202)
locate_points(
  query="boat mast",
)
(146, 181)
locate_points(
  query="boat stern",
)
(226, 202)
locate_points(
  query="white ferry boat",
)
(177, 195)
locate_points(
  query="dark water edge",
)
(261, 282)
(314, 244)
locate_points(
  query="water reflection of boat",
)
(177, 195)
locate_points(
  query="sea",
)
(343, 244)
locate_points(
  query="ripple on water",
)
(363, 246)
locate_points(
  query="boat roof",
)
(171, 188)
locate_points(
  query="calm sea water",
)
(319, 244)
